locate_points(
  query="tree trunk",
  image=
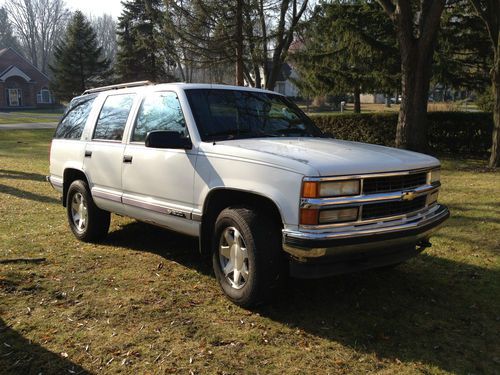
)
(495, 146)
(357, 100)
(416, 66)
(239, 43)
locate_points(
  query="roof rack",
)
(119, 86)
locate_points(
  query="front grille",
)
(393, 183)
(379, 210)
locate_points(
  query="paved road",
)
(28, 126)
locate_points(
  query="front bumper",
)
(363, 242)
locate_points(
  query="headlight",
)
(313, 189)
(435, 175)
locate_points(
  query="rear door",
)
(104, 153)
(158, 183)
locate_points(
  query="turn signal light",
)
(310, 189)
(309, 216)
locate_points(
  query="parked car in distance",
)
(248, 173)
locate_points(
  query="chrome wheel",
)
(233, 257)
(79, 212)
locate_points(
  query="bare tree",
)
(37, 24)
(489, 12)
(105, 29)
(417, 24)
(260, 31)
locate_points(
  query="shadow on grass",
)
(19, 355)
(27, 194)
(18, 175)
(170, 245)
(431, 311)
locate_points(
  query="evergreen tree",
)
(78, 62)
(463, 52)
(142, 48)
(7, 38)
(349, 47)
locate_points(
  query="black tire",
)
(265, 262)
(95, 225)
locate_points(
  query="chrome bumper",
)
(356, 240)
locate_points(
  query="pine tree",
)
(348, 48)
(142, 50)
(78, 64)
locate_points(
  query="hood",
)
(325, 157)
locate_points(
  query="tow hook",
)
(424, 244)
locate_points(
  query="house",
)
(284, 81)
(22, 85)
(372, 98)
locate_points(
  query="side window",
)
(113, 117)
(73, 122)
(159, 111)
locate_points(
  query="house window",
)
(14, 97)
(44, 97)
(281, 87)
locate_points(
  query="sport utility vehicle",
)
(249, 174)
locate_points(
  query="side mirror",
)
(168, 139)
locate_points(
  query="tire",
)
(87, 221)
(246, 256)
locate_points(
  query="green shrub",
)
(467, 133)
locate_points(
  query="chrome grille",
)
(380, 210)
(393, 183)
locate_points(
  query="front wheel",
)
(87, 221)
(247, 257)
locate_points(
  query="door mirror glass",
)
(168, 139)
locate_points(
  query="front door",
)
(14, 97)
(158, 183)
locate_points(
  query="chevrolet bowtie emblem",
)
(408, 195)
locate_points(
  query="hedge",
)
(467, 133)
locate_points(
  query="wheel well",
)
(71, 175)
(219, 199)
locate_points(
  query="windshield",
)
(234, 114)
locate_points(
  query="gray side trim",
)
(184, 214)
(107, 195)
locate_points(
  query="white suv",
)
(249, 174)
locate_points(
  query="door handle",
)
(127, 159)
(88, 153)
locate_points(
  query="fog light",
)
(432, 198)
(338, 215)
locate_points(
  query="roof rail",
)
(119, 86)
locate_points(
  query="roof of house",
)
(11, 58)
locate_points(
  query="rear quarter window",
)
(74, 120)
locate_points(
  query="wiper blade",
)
(229, 133)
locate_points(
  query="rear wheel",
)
(87, 221)
(247, 257)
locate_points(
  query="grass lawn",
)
(144, 302)
(21, 117)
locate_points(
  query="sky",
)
(93, 7)
(96, 7)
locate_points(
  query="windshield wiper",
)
(233, 133)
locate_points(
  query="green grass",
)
(33, 116)
(144, 302)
